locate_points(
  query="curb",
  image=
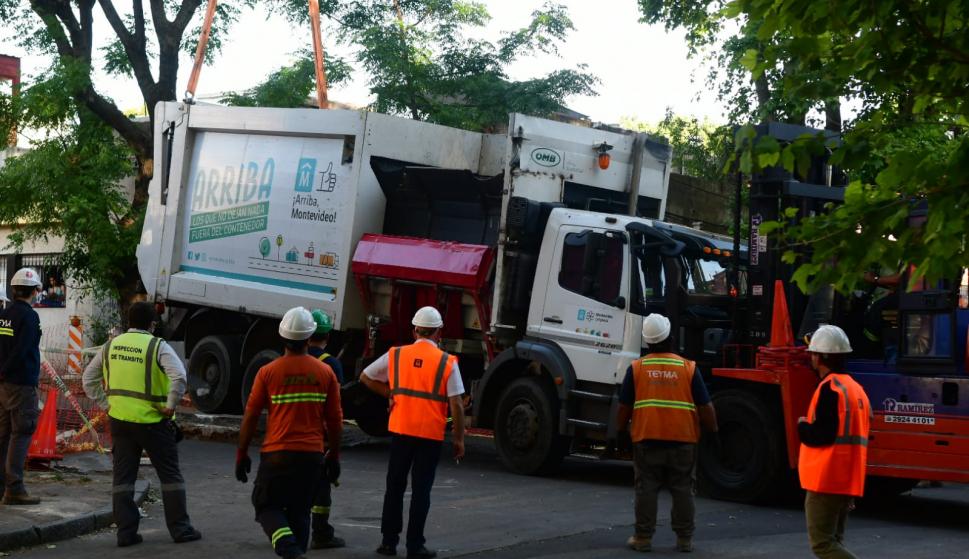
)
(67, 528)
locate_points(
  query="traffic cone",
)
(780, 327)
(44, 444)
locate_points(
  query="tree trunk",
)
(762, 87)
(832, 115)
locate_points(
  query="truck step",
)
(585, 395)
(598, 426)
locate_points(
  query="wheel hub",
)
(523, 426)
(211, 374)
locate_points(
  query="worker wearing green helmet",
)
(323, 532)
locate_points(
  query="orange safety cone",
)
(44, 444)
(780, 327)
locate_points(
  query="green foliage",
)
(700, 148)
(908, 63)
(291, 86)
(68, 186)
(421, 62)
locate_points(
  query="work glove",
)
(331, 468)
(243, 465)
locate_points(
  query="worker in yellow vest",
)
(834, 444)
(666, 399)
(422, 382)
(144, 380)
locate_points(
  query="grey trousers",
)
(18, 420)
(826, 517)
(671, 467)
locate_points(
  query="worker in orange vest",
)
(666, 399)
(834, 444)
(302, 397)
(422, 382)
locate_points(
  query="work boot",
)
(20, 499)
(385, 549)
(640, 543)
(328, 543)
(128, 542)
(190, 536)
(684, 544)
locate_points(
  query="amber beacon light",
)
(603, 149)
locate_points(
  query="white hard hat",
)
(26, 277)
(656, 328)
(829, 339)
(427, 317)
(297, 324)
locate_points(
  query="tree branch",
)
(136, 136)
(134, 46)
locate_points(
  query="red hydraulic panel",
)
(422, 260)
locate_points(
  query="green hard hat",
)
(323, 322)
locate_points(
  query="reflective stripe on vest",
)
(136, 384)
(297, 397)
(664, 408)
(420, 396)
(839, 468)
(324, 357)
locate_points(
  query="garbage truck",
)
(543, 247)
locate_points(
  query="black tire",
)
(214, 378)
(752, 466)
(526, 428)
(366, 408)
(257, 362)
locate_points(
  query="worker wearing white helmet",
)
(303, 430)
(422, 383)
(19, 375)
(834, 443)
(664, 396)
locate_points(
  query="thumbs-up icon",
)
(327, 180)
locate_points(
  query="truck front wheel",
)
(526, 430)
(214, 378)
(257, 362)
(751, 464)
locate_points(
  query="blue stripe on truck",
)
(259, 279)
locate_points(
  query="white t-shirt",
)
(378, 371)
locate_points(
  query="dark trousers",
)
(283, 494)
(417, 457)
(672, 467)
(18, 420)
(826, 517)
(322, 529)
(158, 440)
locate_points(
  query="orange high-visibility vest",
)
(839, 468)
(418, 376)
(664, 408)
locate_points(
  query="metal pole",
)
(639, 143)
(193, 78)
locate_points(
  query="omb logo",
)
(546, 157)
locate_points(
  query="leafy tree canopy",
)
(421, 61)
(908, 64)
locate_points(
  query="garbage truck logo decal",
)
(216, 195)
(268, 209)
(546, 157)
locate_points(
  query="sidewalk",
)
(75, 499)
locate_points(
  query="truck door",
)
(585, 300)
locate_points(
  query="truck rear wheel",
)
(752, 465)
(257, 362)
(526, 428)
(214, 378)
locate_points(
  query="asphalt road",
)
(480, 510)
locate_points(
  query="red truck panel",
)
(422, 260)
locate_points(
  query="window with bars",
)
(53, 291)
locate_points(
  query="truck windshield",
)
(705, 277)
